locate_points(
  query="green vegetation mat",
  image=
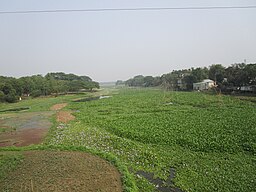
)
(209, 140)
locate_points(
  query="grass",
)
(8, 162)
(2, 130)
(38, 104)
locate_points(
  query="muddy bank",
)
(22, 129)
(23, 137)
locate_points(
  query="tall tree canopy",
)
(37, 85)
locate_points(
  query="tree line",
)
(226, 78)
(11, 89)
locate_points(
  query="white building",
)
(204, 85)
(248, 88)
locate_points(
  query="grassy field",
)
(37, 104)
(202, 142)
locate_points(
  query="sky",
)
(117, 45)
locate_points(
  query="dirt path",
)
(63, 171)
(58, 106)
(64, 116)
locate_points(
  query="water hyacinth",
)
(208, 139)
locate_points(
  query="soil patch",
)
(62, 171)
(58, 106)
(23, 137)
(64, 116)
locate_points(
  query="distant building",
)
(204, 85)
(248, 88)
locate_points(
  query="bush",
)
(11, 98)
(2, 96)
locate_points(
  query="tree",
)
(217, 73)
(76, 85)
(37, 85)
(2, 96)
(136, 81)
(119, 82)
(169, 81)
(157, 81)
(148, 81)
(235, 75)
(27, 85)
(91, 85)
(199, 74)
(9, 93)
(129, 82)
(189, 80)
(250, 74)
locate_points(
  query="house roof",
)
(208, 81)
(204, 81)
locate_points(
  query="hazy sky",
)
(118, 45)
